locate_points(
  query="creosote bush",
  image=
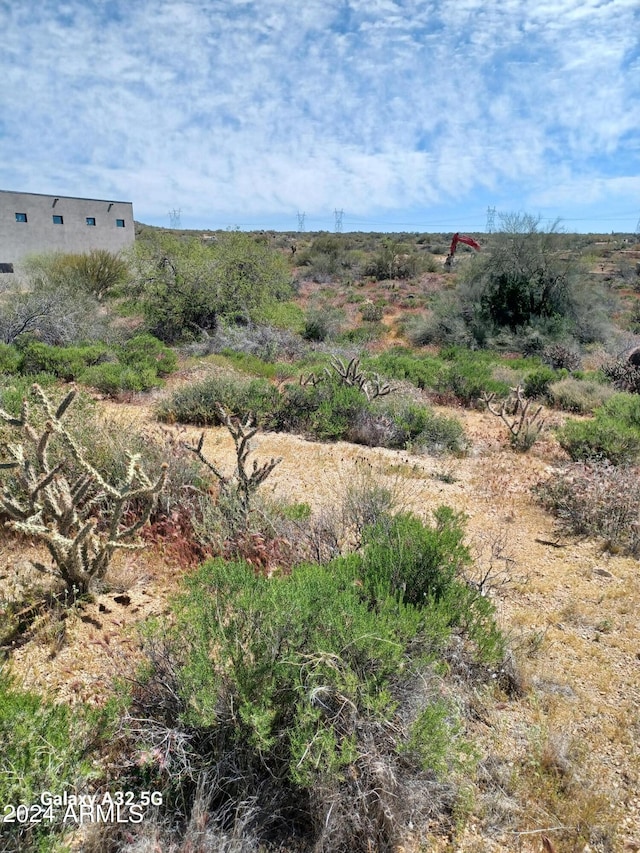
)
(613, 433)
(287, 692)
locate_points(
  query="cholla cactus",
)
(243, 484)
(79, 518)
(524, 426)
(352, 376)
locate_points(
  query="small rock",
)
(603, 573)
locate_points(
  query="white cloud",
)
(257, 108)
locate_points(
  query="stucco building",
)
(34, 223)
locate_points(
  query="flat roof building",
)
(34, 223)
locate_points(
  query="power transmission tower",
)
(637, 231)
(491, 220)
(174, 218)
(301, 217)
(338, 220)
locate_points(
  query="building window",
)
(6, 268)
(21, 217)
(119, 223)
(57, 220)
(91, 220)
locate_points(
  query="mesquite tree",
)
(55, 495)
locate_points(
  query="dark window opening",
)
(119, 223)
(91, 220)
(21, 217)
(6, 268)
(57, 220)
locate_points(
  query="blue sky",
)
(414, 115)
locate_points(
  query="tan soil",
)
(571, 612)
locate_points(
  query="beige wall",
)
(40, 234)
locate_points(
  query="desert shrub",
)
(145, 351)
(327, 256)
(287, 316)
(337, 408)
(322, 323)
(526, 287)
(264, 342)
(394, 260)
(288, 692)
(46, 746)
(109, 441)
(582, 396)
(364, 333)
(10, 359)
(54, 313)
(467, 377)
(455, 371)
(613, 434)
(113, 378)
(445, 325)
(184, 286)
(419, 564)
(371, 313)
(256, 367)
(64, 362)
(440, 434)
(197, 403)
(98, 272)
(596, 499)
(398, 363)
(537, 383)
(13, 390)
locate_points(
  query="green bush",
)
(467, 377)
(537, 383)
(10, 359)
(111, 379)
(322, 323)
(282, 315)
(371, 313)
(184, 286)
(582, 396)
(291, 682)
(363, 334)
(197, 404)
(325, 411)
(414, 563)
(440, 434)
(399, 363)
(46, 746)
(13, 389)
(145, 351)
(64, 362)
(612, 434)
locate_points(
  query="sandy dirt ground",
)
(570, 609)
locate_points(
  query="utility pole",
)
(338, 220)
(174, 218)
(301, 218)
(491, 220)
